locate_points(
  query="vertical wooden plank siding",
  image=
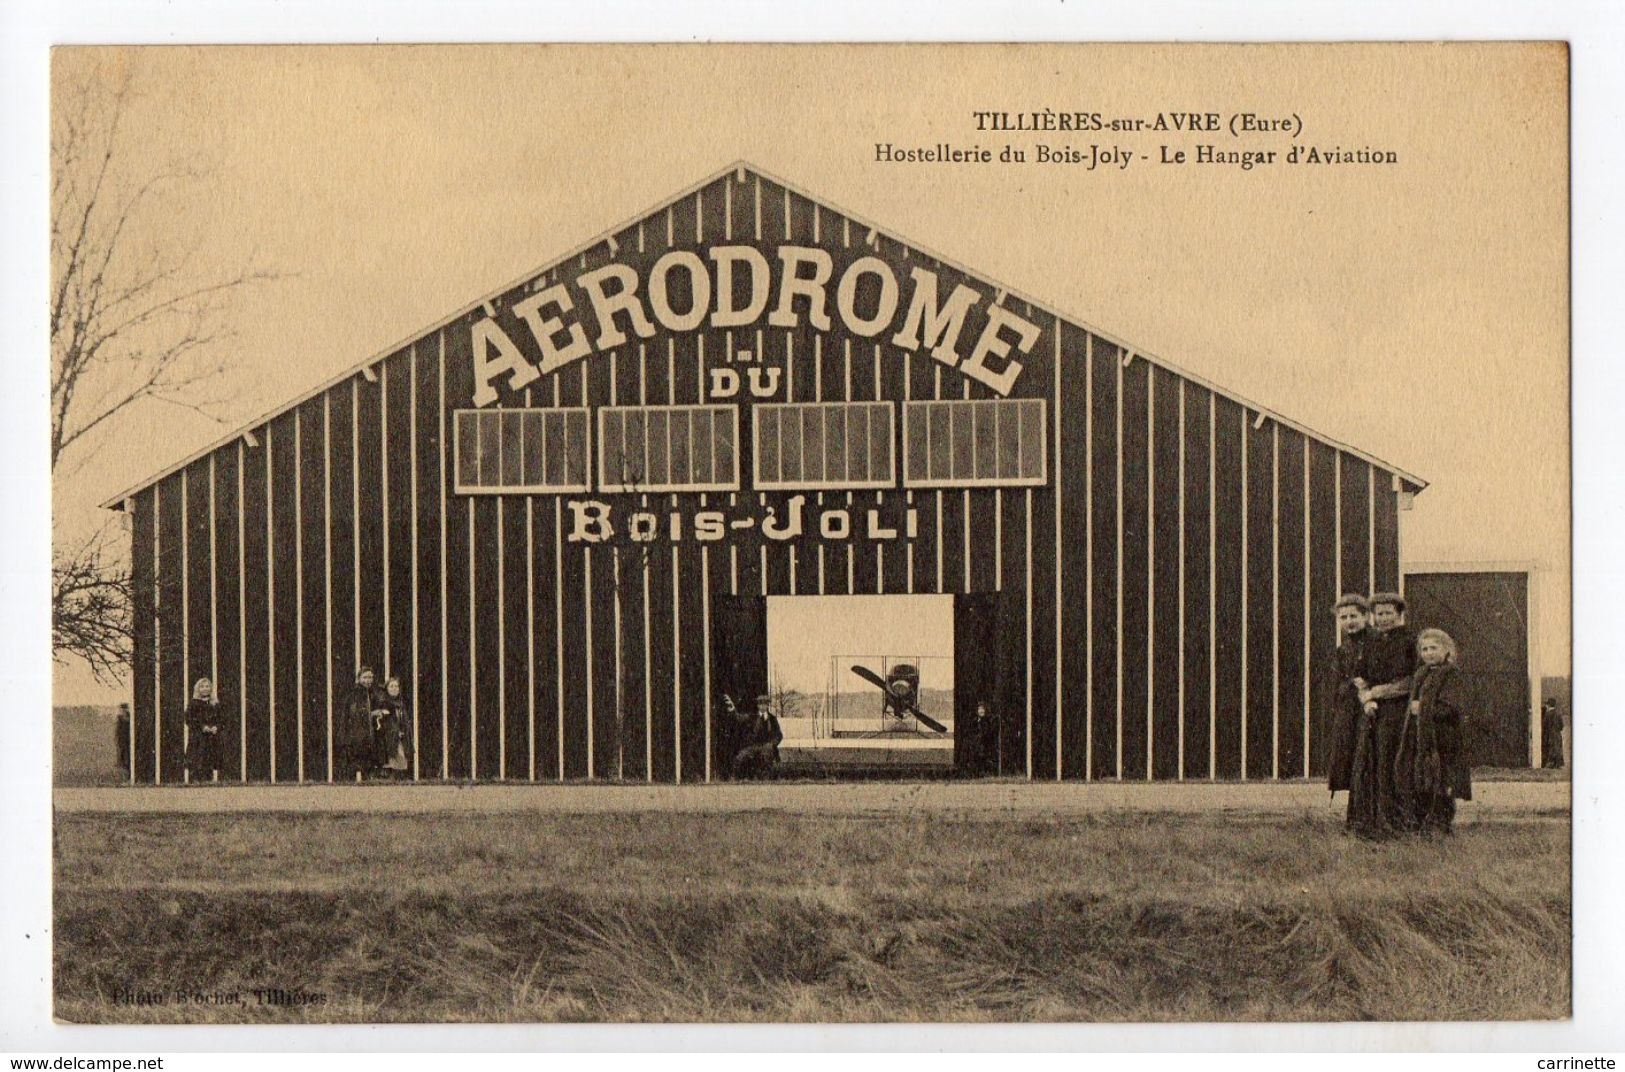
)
(1158, 607)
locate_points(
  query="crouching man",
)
(757, 735)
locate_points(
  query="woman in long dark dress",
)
(395, 730)
(1390, 661)
(204, 730)
(358, 754)
(1431, 770)
(1348, 722)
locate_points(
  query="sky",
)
(804, 633)
(1418, 312)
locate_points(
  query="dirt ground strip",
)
(1001, 799)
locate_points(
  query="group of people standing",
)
(1398, 721)
(1397, 744)
(377, 731)
(372, 738)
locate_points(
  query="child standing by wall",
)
(1431, 771)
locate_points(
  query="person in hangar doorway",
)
(756, 736)
(983, 744)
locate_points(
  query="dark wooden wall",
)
(330, 537)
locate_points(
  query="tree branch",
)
(90, 609)
(133, 319)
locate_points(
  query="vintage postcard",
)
(811, 533)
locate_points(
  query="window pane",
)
(790, 444)
(489, 435)
(879, 441)
(917, 438)
(576, 437)
(530, 440)
(986, 448)
(468, 453)
(857, 443)
(612, 449)
(1009, 443)
(1033, 440)
(942, 442)
(659, 447)
(812, 442)
(635, 472)
(835, 443)
(767, 444)
(702, 420)
(554, 455)
(963, 439)
(496, 429)
(679, 430)
(723, 446)
(513, 469)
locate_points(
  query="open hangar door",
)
(738, 669)
(986, 672)
(1487, 611)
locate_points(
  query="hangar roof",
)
(1413, 483)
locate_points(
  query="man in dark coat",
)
(1551, 733)
(1390, 662)
(982, 743)
(121, 738)
(758, 735)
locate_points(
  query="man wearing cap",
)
(759, 734)
(1390, 661)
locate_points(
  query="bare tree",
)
(133, 319)
(90, 606)
(786, 701)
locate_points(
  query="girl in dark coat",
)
(395, 730)
(204, 730)
(1431, 771)
(358, 752)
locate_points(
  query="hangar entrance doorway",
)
(1487, 612)
(864, 685)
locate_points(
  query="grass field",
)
(774, 916)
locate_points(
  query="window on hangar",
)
(668, 448)
(975, 443)
(536, 451)
(824, 445)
